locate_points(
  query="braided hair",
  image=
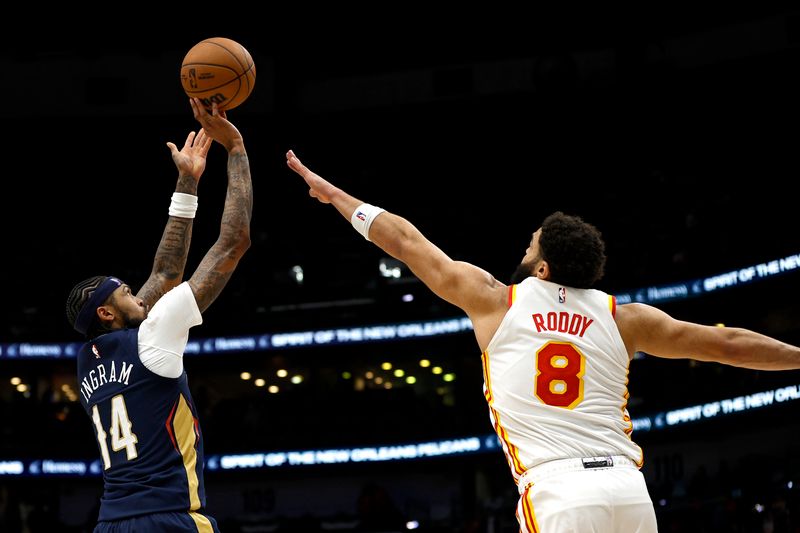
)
(78, 297)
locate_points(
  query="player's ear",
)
(105, 314)
(542, 270)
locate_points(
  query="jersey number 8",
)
(559, 374)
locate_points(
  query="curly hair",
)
(573, 249)
(79, 295)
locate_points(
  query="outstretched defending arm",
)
(221, 260)
(648, 329)
(173, 250)
(464, 285)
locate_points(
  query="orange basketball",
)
(218, 70)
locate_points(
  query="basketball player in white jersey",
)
(555, 362)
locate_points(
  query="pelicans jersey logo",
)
(562, 295)
(96, 352)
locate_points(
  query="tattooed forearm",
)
(239, 199)
(186, 184)
(170, 260)
(208, 287)
(219, 263)
(239, 177)
(172, 252)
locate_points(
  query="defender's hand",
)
(318, 187)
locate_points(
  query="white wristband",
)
(363, 216)
(183, 205)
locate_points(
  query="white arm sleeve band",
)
(183, 205)
(363, 216)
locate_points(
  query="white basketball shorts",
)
(585, 495)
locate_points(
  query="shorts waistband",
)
(560, 466)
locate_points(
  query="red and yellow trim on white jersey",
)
(626, 417)
(512, 294)
(511, 451)
(612, 305)
(628, 431)
(527, 521)
(487, 391)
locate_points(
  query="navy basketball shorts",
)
(161, 523)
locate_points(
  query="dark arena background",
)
(335, 391)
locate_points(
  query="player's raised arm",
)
(173, 250)
(464, 285)
(218, 264)
(648, 329)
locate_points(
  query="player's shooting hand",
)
(318, 187)
(216, 125)
(191, 159)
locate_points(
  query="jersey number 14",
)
(122, 435)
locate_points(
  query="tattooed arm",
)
(173, 249)
(221, 260)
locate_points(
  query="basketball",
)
(218, 70)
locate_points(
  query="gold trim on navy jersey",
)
(185, 434)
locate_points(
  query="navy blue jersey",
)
(146, 427)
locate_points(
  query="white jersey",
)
(556, 376)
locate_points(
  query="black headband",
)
(89, 309)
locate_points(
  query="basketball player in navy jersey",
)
(555, 362)
(130, 371)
